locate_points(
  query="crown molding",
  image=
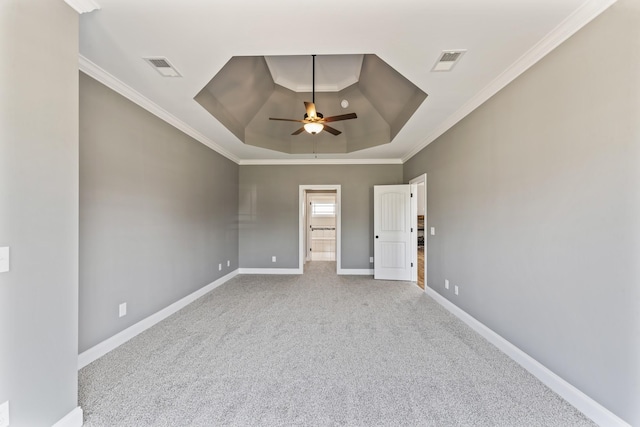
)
(93, 70)
(272, 162)
(83, 6)
(574, 22)
(589, 10)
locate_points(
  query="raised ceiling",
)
(502, 38)
(244, 95)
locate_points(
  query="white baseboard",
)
(342, 271)
(592, 409)
(120, 338)
(72, 419)
(356, 271)
(269, 271)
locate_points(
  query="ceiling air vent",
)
(163, 66)
(447, 60)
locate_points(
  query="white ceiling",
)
(502, 38)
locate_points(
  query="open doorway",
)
(319, 224)
(420, 220)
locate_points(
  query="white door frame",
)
(414, 214)
(414, 232)
(302, 200)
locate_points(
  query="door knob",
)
(376, 237)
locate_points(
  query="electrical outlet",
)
(122, 309)
(455, 289)
(273, 258)
(219, 267)
(4, 414)
(228, 263)
(433, 231)
(371, 260)
(446, 284)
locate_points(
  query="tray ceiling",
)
(501, 38)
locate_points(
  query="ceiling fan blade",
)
(311, 109)
(331, 130)
(288, 120)
(340, 117)
(299, 131)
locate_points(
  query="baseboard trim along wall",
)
(270, 271)
(355, 272)
(120, 338)
(342, 271)
(592, 409)
(72, 419)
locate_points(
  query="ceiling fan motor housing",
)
(318, 116)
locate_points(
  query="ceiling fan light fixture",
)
(313, 128)
(313, 120)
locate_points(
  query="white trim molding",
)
(292, 271)
(72, 419)
(83, 6)
(417, 180)
(270, 271)
(355, 272)
(574, 22)
(120, 338)
(314, 161)
(95, 71)
(589, 407)
(113, 83)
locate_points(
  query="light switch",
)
(4, 259)
(433, 231)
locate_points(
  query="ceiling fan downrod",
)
(313, 121)
(313, 80)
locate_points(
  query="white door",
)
(392, 229)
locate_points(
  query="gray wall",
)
(158, 213)
(39, 210)
(269, 210)
(535, 197)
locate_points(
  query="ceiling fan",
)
(314, 122)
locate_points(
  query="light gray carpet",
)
(319, 350)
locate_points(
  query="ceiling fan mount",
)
(314, 122)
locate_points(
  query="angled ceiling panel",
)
(395, 97)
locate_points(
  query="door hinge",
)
(412, 229)
(411, 264)
(411, 194)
